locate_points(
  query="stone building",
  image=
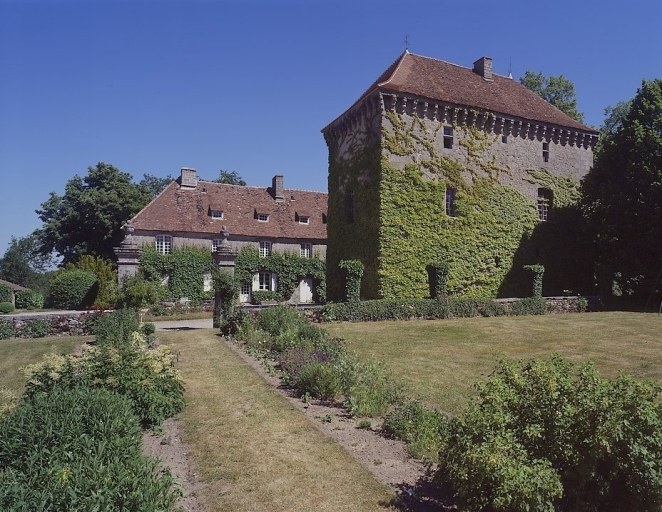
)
(439, 162)
(192, 212)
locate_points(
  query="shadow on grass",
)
(179, 328)
(425, 495)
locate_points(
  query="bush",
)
(424, 430)
(73, 289)
(353, 271)
(138, 293)
(529, 306)
(6, 293)
(148, 328)
(28, 299)
(104, 270)
(115, 328)
(6, 307)
(6, 330)
(78, 449)
(35, 328)
(278, 319)
(260, 296)
(319, 379)
(545, 436)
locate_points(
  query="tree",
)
(154, 184)
(557, 90)
(230, 178)
(88, 217)
(614, 117)
(622, 195)
(24, 264)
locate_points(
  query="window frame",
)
(217, 215)
(163, 244)
(306, 250)
(545, 152)
(304, 219)
(265, 248)
(262, 276)
(448, 137)
(544, 203)
(449, 202)
(262, 217)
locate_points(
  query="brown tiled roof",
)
(189, 210)
(450, 83)
(15, 287)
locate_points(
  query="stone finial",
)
(128, 234)
(225, 234)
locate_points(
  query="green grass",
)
(441, 360)
(253, 449)
(16, 353)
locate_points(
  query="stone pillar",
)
(128, 255)
(225, 259)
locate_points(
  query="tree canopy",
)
(622, 195)
(24, 264)
(87, 219)
(230, 178)
(155, 184)
(557, 90)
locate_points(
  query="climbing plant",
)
(226, 292)
(438, 278)
(353, 270)
(537, 272)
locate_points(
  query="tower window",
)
(545, 151)
(545, 200)
(448, 137)
(450, 202)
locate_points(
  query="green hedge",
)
(29, 299)
(6, 307)
(6, 294)
(73, 289)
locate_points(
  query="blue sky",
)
(152, 86)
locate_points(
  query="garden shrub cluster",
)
(6, 307)
(51, 326)
(73, 289)
(74, 440)
(106, 274)
(29, 299)
(6, 294)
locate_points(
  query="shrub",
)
(319, 379)
(138, 293)
(6, 307)
(6, 293)
(353, 270)
(73, 289)
(260, 296)
(529, 306)
(543, 435)
(582, 304)
(35, 328)
(148, 328)
(29, 299)
(6, 330)
(106, 274)
(279, 319)
(537, 273)
(115, 328)
(78, 449)
(424, 430)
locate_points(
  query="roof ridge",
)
(263, 188)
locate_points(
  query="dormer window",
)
(304, 219)
(262, 217)
(216, 214)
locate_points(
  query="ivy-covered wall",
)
(401, 226)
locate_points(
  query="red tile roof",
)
(189, 210)
(13, 286)
(442, 81)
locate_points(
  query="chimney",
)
(188, 179)
(277, 188)
(483, 67)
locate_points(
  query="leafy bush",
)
(260, 296)
(319, 379)
(115, 328)
(582, 304)
(29, 299)
(438, 274)
(148, 328)
(138, 293)
(35, 328)
(543, 435)
(529, 306)
(78, 449)
(537, 272)
(6, 293)
(73, 289)
(353, 270)
(6, 307)
(104, 270)
(424, 430)
(279, 319)
(6, 330)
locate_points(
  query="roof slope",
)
(13, 286)
(450, 83)
(189, 210)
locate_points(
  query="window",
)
(545, 200)
(450, 202)
(216, 214)
(265, 281)
(306, 250)
(324, 218)
(163, 244)
(245, 288)
(262, 217)
(504, 139)
(303, 219)
(545, 151)
(215, 244)
(448, 137)
(265, 249)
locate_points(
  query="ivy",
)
(438, 278)
(353, 270)
(537, 273)
(225, 295)
(565, 191)
(289, 267)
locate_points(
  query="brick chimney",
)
(483, 67)
(277, 188)
(189, 178)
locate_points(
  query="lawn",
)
(441, 359)
(253, 449)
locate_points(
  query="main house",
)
(437, 162)
(192, 212)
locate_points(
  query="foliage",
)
(543, 435)
(6, 293)
(6, 307)
(615, 117)
(528, 306)
(29, 299)
(88, 218)
(35, 328)
(423, 429)
(226, 293)
(138, 293)
(155, 184)
(623, 197)
(557, 90)
(115, 328)
(230, 178)
(78, 449)
(6, 330)
(73, 289)
(353, 270)
(262, 296)
(106, 274)
(438, 278)
(318, 379)
(537, 272)
(290, 268)
(184, 268)
(24, 264)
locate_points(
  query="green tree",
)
(622, 196)
(557, 90)
(87, 219)
(24, 264)
(230, 178)
(155, 184)
(614, 117)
